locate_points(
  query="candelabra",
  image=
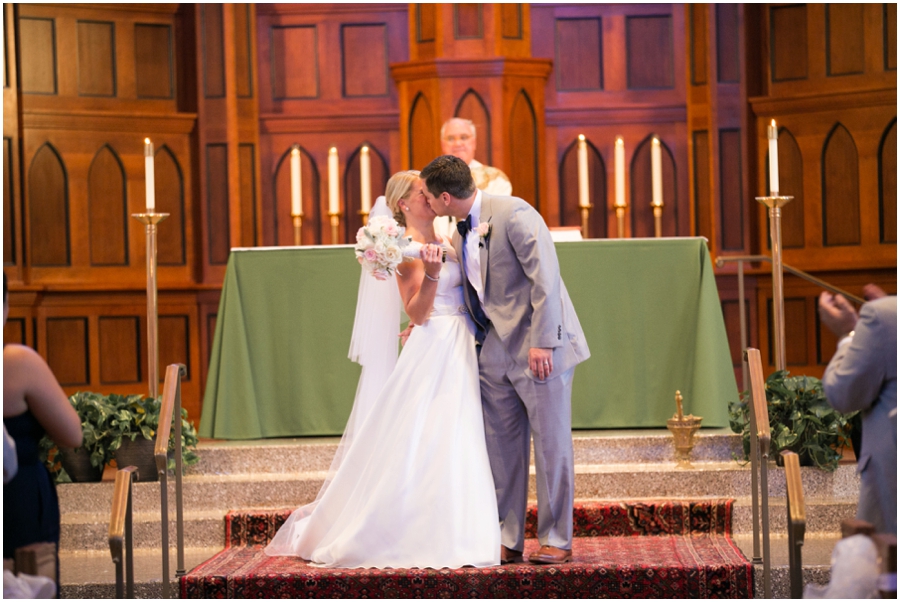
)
(150, 220)
(586, 220)
(775, 203)
(657, 220)
(298, 228)
(335, 225)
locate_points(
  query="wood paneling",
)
(96, 59)
(727, 38)
(426, 18)
(796, 332)
(840, 189)
(569, 210)
(14, 331)
(472, 107)
(731, 190)
(699, 46)
(845, 36)
(887, 190)
(48, 200)
(9, 241)
(468, 21)
(107, 210)
(247, 161)
(642, 223)
(702, 190)
(523, 137)
(211, 18)
(731, 312)
(579, 54)
(174, 344)
(379, 176)
(511, 21)
(650, 52)
(120, 349)
(243, 51)
(364, 58)
(890, 36)
(37, 52)
(68, 353)
(153, 70)
(826, 343)
(423, 143)
(788, 34)
(790, 179)
(217, 203)
(309, 190)
(294, 62)
(170, 199)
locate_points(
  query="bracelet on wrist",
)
(432, 279)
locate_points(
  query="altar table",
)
(649, 309)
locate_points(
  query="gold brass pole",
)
(775, 203)
(335, 225)
(620, 220)
(586, 220)
(657, 220)
(298, 229)
(365, 216)
(150, 220)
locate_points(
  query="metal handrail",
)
(796, 521)
(720, 261)
(121, 539)
(171, 406)
(759, 461)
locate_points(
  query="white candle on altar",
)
(149, 177)
(584, 198)
(365, 180)
(773, 159)
(620, 171)
(656, 172)
(296, 195)
(334, 201)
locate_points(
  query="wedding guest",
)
(862, 376)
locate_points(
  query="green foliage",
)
(107, 419)
(800, 420)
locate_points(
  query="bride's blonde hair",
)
(398, 188)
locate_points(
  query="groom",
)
(530, 343)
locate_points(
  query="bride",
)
(411, 485)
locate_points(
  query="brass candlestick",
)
(298, 228)
(657, 220)
(683, 429)
(335, 225)
(364, 215)
(620, 220)
(585, 220)
(775, 203)
(150, 220)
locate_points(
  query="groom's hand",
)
(541, 362)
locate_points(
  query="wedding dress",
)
(412, 487)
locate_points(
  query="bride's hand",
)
(432, 258)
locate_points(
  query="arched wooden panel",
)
(887, 184)
(309, 193)
(523, 140)
(472, 107)
(353, 190)
(569, 210)
(48, 209)
(840, 189)
(790, 180)
(170, 199)
(9, 205)
(642, 192)
(423, 143)
(107, 209)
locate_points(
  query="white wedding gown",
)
(412, 486)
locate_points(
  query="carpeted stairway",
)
(645, 549)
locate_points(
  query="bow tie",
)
(464, 226)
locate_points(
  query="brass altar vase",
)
(683, 429)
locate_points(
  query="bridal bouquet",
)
(381, 246)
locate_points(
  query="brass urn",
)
(683, 429)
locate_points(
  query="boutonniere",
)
(484, 232)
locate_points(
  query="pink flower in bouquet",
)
(370, 255)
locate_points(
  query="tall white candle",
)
(656, 172)
(149, 177)
(584, 197)
(773, 159)
(365, 180)
(620, 171)
(296, 195)
(334, 201)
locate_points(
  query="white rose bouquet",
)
(381, 246)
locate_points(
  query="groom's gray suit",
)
(528, 306)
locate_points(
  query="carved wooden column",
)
(474, 61)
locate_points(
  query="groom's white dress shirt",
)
(473, 254)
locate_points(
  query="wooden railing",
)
(170, 411)
(760, 443)
(796, 521)
(121, 541)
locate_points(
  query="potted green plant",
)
(86, 463)
(800, 420)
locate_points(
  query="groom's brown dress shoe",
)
(508, 556)
(550, 555)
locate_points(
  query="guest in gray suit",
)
(530, 340)
(862, 375)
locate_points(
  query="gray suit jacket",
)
(862, 375)
(524, 294)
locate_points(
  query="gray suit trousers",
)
(515, 408)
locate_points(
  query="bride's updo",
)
(398, 188)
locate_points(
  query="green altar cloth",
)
(649, 309)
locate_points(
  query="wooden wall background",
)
(225, 90)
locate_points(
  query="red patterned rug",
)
(665, 549)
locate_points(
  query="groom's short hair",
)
(449, 174)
